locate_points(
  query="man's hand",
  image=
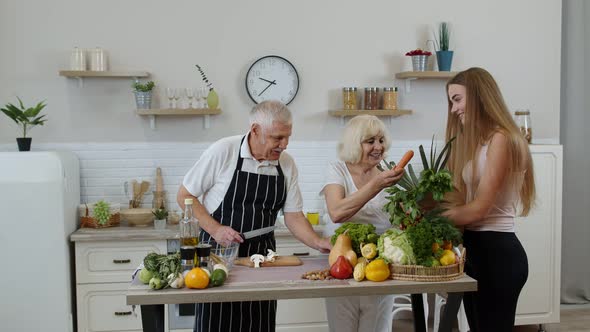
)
(323, 245)
(225, 235)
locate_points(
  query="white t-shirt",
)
(371, 213)
(211, 175)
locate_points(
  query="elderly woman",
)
(354, 191)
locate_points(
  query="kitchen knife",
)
(257, 232)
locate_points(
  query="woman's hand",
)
(388, 178)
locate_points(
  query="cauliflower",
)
(395, 248)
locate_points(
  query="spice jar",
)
(349, 98)
(523, 121)
(390, 98)
(371, 98)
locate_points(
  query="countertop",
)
(248, 284)
(124, 232)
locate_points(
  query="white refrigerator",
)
(39, 195)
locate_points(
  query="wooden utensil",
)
(143, 188)
(279, 261)
(159, 180)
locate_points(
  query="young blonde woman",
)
(493, 173)
(354, 191)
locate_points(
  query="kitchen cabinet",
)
(103, 272)
(106, 258)
(540, 234)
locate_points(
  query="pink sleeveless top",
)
(501, 216)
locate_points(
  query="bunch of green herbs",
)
(359, 233)
(404, 200)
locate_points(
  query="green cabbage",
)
(145, 275)
(395, 247)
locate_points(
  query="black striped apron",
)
(252, 201)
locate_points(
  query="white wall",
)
(574, 136)
(331, 43)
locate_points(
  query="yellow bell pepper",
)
(377, 270)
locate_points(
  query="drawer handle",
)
(121, 261)
(301, 254)
(122, 313)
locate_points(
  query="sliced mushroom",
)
(271, 255)
(257, 259)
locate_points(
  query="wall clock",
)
(272, 77)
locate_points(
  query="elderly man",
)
(244, 181)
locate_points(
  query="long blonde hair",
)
(486, 113)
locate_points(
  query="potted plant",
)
(212, 97)
(27, 118)
(161, 215)
(444, 57)
(143, 94)
(419, 59)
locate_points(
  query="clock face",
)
(272, 77)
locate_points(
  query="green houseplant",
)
(444, 56)
(161, 215)
(27, 117)
(212, 97)
(143, 94)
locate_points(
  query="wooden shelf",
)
(425, 74)
(205, 112)
(115, 74)
(180, 111)
(409, 76)
(392, 113)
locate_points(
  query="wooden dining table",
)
(285, 282)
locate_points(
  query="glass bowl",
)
(221, 254)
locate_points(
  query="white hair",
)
(357, 130)
(268, 112)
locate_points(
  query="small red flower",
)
(418, 52)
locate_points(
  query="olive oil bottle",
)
(189, 226)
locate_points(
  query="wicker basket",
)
(87, 221)
(424, 273)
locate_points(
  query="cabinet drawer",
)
(102, 308)
(112, 261)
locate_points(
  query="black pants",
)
(499, 263)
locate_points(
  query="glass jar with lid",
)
(390, 98)
(522, 117)
(349, 98)
(371, 98)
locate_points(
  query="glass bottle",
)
(371, 101)
(203, 259)
(349, 98)
(187, 256)
(390, 98)
(522, 118)
(189, 226)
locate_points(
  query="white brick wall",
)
(104, 167)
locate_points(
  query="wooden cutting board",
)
(279, 261)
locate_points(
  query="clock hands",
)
(268, 86)
(271, 82)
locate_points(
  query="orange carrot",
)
(405, 160)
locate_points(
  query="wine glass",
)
(190, 93)
(170, 93)
(177, 95)
(204, 92)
